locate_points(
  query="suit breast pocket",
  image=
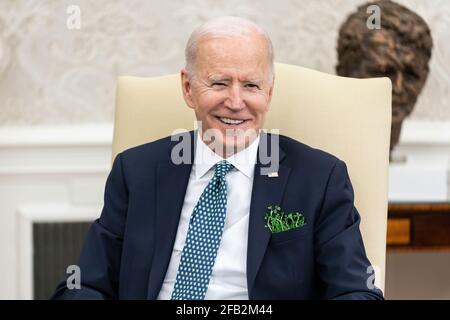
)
(284, 236)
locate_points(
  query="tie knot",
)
(222, 168)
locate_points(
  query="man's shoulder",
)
(308, 162)
(155, 151)
(299, 153)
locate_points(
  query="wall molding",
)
(424, 142)
(425, 133)
(51, 173)
(55, 149)
(82, 135)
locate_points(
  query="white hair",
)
(226, 26)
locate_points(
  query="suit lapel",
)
(266, 191)
(171, 185)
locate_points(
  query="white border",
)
(29, 214)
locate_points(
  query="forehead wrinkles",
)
(228, 49)
(228, 58)
(231, 59)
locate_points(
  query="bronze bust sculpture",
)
(400, 50)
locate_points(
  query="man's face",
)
(230, 90)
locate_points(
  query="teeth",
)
(231, 121)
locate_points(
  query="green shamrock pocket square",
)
(278, 221)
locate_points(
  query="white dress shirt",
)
(229, 275)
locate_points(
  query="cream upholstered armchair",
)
(347, 117)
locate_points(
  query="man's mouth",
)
(229, 121)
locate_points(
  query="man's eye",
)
(252, 86)
(218, 84)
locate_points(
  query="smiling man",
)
(228, 81)
(217, 227)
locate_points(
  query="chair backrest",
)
(347, 117)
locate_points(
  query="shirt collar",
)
(244, 160)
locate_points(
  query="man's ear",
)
(271, 90)
(187, 89)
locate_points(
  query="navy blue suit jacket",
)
(127, 250)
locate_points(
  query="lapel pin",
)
(273, 174)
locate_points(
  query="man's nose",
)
(235, 99)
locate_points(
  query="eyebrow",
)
(218, 78)
(257, 82)
(214, 78)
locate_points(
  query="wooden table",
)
(418, 227)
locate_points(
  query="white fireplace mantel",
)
(51, 174)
